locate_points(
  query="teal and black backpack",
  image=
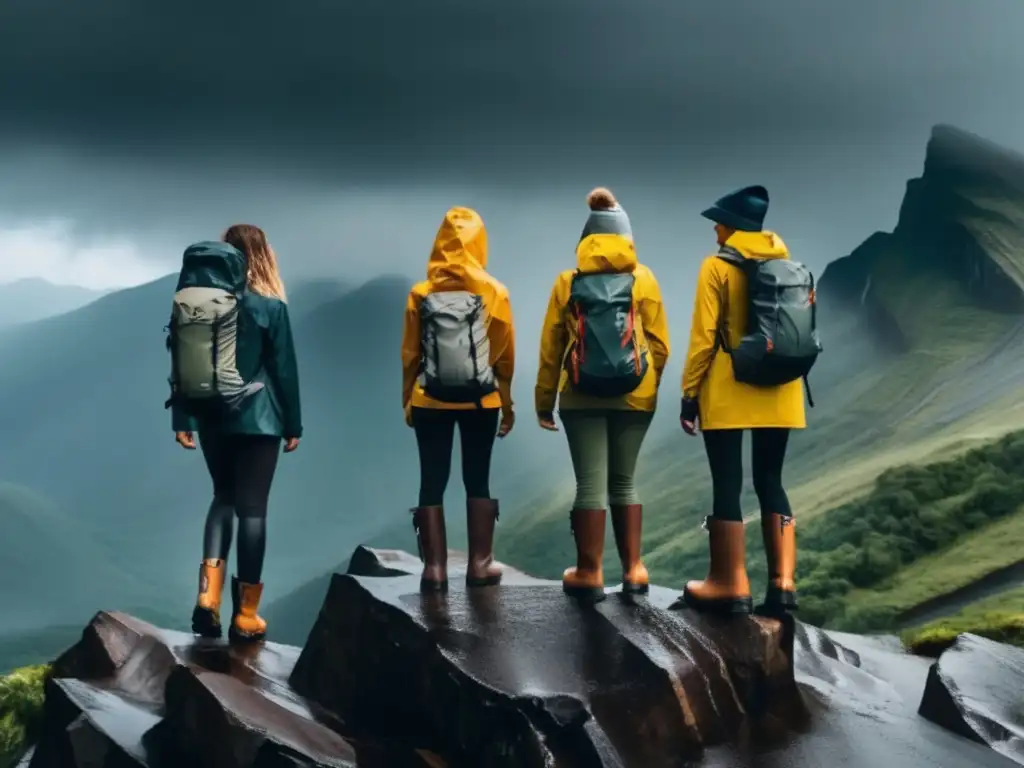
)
(781, 342)
(203, 332)
(608, 357)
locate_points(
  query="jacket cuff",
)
(544, 401)
(689, 409)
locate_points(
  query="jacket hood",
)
(214, 263)
(758, 245)
(606, 253)
(461, 244)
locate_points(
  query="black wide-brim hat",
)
(743, 209)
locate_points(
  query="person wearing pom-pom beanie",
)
(604, 346)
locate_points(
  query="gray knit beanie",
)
(607, 217)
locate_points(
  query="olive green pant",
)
(604, 445)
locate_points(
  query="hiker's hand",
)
(185, 440)
(688, 415)
(408, 415)
(291, 444)
(547, 421)
(508, 420)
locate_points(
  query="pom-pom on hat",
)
(606, 215)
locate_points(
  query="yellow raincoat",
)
(457, 263)
(724, 402)
(601, 253)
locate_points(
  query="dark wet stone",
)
(520, 675)
(976, 689)
(106, 642)
(130, 694)
(367, 561)
(863, 692)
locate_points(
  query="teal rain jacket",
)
(266, 353)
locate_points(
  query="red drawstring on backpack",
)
(578, 350)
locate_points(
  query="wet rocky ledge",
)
(518, 675)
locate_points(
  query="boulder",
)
(864, 692)
(976, 689)
(130, 694)
(519, 675)
(368, 561)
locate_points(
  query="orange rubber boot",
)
(246, 624)
(586, 580)
(481, 516)
(627, 523)
(779, 532)
(433, 544)
(206, 614)
(726, 589)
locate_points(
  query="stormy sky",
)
(128, 129)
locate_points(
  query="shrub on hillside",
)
(911, 512)
(21, 707)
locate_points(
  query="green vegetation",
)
(21, 706)
(912, 512)
(999, 618)
(977, 554)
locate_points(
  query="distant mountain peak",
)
(952, 151)
(961, 220)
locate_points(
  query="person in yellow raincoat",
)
(458, 357)
(604, 430)
(722, 408)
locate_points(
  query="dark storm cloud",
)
(347, 128)
(344, 79)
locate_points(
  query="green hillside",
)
(924, 351)
(85, 425)
(115, 517)
(999, 618)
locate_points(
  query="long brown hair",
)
(263, 276)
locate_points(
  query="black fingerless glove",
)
(689, 410)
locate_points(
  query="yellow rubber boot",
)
(206, 614)
(246, 624)
(726, 589)
(585, 580)
(627, 523)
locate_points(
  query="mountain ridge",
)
(963, 218)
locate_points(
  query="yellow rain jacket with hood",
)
(721, 303)
(601, 253)
(458, 262)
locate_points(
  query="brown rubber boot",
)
(779, 532)
(627, 523)
(726, 589)
(206, 614)
(586, 580)
(433, 544)
(246, 625)
(481, 515)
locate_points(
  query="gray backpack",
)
(781, 342)
(455, 364)
(203, 337)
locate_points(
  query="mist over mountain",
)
(32, 298)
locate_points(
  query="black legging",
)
(242, 469)
(725, 456)
(435, 433)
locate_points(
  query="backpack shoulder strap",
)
(729, 254)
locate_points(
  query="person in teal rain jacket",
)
(241, 445)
